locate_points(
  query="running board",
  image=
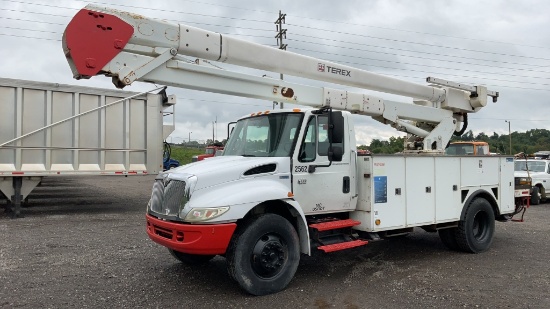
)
(343, 246)
(333, 225)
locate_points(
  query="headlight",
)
(523, 181)
(203, 214)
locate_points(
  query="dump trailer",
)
(290, 181)
(49, 129)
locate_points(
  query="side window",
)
(322, 128)
(308, 149)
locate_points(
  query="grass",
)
(184, 154)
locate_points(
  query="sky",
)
(504, 45)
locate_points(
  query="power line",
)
(138, 7)
(424, 65)
(361, 25)
(32, 21)
(418, 43)
(29, 37)
(418, 57)
(400, 49)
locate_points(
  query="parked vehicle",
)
(50, 129)
(210, 151)
(468, 148)
(538, 173)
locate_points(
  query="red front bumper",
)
(190, 238)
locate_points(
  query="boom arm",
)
(130, 47)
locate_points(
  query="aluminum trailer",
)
(49, 129)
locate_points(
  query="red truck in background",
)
(210, 151)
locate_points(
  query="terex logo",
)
(321, 68)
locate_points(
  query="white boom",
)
(131, 47)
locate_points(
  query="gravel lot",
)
(82, 243)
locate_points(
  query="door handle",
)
(345, 187)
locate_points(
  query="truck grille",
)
(167, 196)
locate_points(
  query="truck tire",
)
(264, 254)
(191, 259)
(475, 232)
(535, 196)
(448, 238)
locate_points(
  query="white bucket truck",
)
(290, 181)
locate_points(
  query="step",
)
(333, 225)
(343, 245)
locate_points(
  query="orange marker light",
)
(296, 110)
(377, 222)
(290, 194)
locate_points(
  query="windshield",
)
(460, 149)
(534, 166)
(271, 135)
(210, 151)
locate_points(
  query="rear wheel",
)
(191, 259)
(475, 232)
(535, 196)
(264, 254)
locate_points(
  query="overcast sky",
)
(502, 44)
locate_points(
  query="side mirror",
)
(335, 153)
(337, 132)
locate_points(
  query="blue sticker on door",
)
(380, 189)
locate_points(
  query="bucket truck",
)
(290, 181)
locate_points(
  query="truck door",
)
(328, 188)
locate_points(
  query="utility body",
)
(290, 181)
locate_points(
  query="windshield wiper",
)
(247, 155)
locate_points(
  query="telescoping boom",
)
(131, 47)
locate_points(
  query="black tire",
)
(475, 232)
(172, 166)
(191, 259)
(274, 238)
(535, 196)
(448, 238)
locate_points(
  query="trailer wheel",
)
(448, 238)
(191, 259)
(264, 254)
(535, 196)
(475, 233)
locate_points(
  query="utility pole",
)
(509, 135)
(281, 34)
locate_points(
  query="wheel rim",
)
(269, 256)
(480, 225)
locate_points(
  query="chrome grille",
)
(167, 196)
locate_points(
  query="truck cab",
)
(210, 151)
(538, 172)
(468, 148)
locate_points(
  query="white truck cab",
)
(539, 173)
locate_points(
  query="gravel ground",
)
(83, 244)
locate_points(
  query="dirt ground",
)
(82, 243)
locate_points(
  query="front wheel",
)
(535, 196)
(264, 254)
(475, 232)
